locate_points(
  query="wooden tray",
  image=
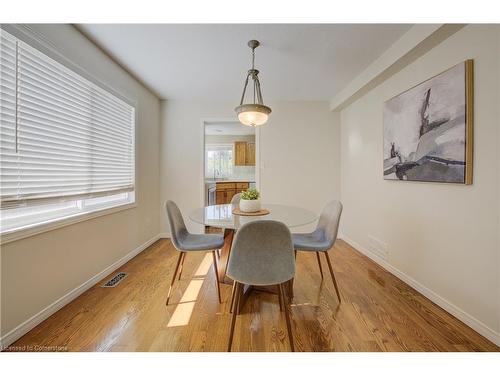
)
(263, 211)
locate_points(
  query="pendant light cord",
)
(257, 95)
(244, 89)
(254, 77)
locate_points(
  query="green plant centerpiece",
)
(250, 200)
(250, 194)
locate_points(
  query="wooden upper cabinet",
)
(244, 153)
(250, 154)
(240, 150)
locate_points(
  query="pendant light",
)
(256, 113)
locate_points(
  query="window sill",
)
(34, 229)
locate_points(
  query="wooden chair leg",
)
(216, 274)
(288, 291)
(232, 297)
(173, 278)
(235, 303)
(319, 264)
(280, 298)
(239, 299)
(287, 317)
(182, 264)
(333, 276)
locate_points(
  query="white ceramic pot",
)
(250, 205)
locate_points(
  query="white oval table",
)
(221, 216)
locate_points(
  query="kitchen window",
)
(218, 160)
(66, 144)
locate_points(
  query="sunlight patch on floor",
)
(192, 291)
(181, 315)
(183, 311)
(204, 266)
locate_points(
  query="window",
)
(218, 160)
(66, 145)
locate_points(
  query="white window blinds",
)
(62, 136)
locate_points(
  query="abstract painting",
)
(428, 129)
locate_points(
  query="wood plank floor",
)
(378, 313)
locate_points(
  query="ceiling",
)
(228, 128)
(209, 61)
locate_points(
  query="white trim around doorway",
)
(205, 121)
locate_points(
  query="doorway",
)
(230, 160)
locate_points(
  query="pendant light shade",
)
(253, 114)
(256, 113)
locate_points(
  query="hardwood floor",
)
(378, 312)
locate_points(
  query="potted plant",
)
(250, 201)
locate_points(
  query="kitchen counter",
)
(209, 181)
(222, 191)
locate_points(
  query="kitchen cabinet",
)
(220, 196)
(240, 186)
(224, 191)
(250, 154)
(240, 150)
(244, 153)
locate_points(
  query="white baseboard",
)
(472, 322)
(36, 319)
(164, 235)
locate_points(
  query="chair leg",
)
(173, 278)
(237, 306)
(232, 297)
(289, 290)
(280, 298)
(235, 302)
(182, 264)
(333, 276)
(319, 264)
(287, 317)
(216, 274)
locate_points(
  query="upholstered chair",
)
(235, 200)
(262, 254)
(323, 238)
(186, 242)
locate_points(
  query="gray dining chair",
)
(186, 242)
(323, 238)
(235, 200)
(262, 254)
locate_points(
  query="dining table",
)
(223, 216)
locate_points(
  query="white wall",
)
(298, 150)
(300, 155)
(38, 270)
(444, 237)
